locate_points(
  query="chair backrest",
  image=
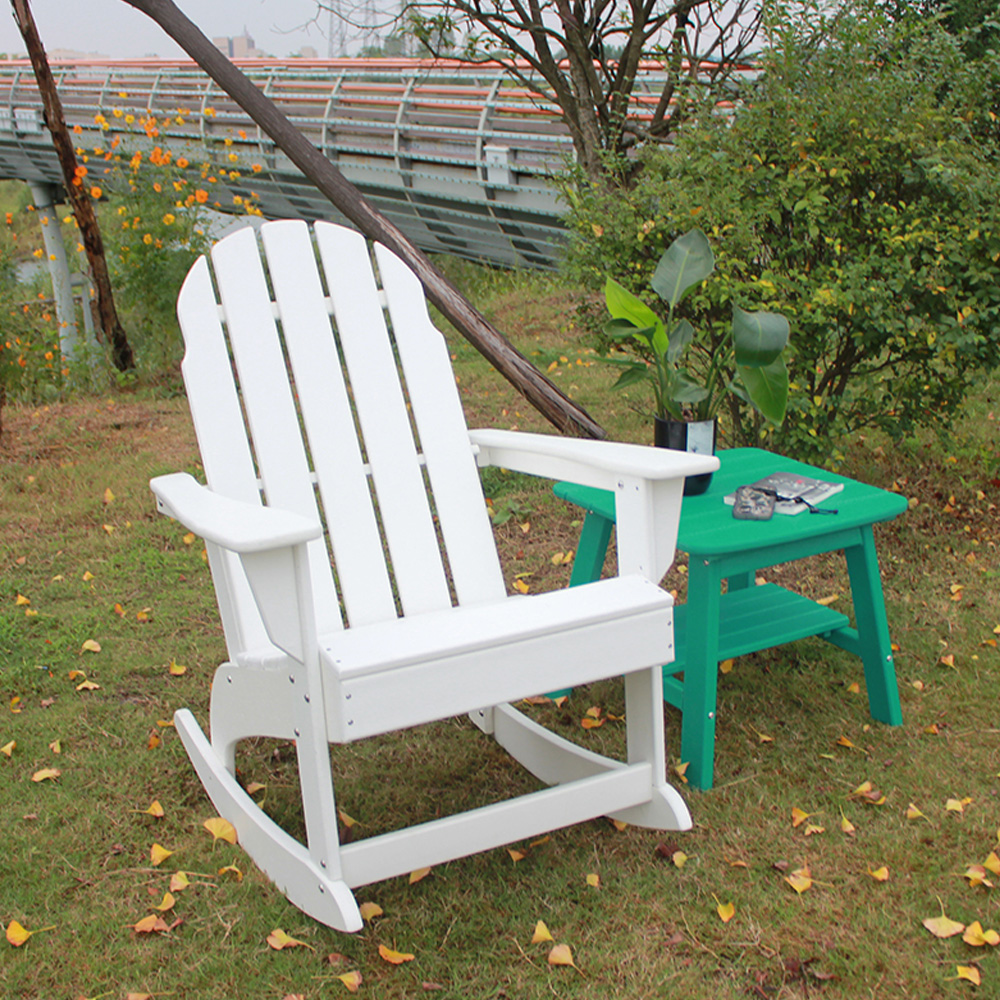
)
(305, 398)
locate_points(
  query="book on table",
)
(793, 493)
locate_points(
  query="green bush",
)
(855, 192)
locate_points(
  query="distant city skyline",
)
(117, 30)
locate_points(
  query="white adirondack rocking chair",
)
(369, 428)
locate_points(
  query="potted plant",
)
(692, 374)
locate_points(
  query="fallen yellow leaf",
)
(561, 955)
(516, 856)
(8, 748)
(158, 854)
(17, 935)
(679, 858)
(87, 576)
(395, 957)
(880, 874)
(800, 879)
(167, 903)
(278, 939)
(369, 911)
(90, 646)
(726, 911)
(726, 666)
(912, 812)
(151, 924)
(594, 881)
(221, 829)
(799, 817)
(155, 809)
(969, 972)
(541, 934)
(177, 669)
(46, 774)
(348, 821)
(21, 600)
(179, 882)
(943, 927)
(352, 980)
(975, 935)
(992, 863)
(420, 873)
(231, 870)
(108, 496)
(847, 826)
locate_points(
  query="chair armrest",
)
(591, 463)
(647, 484)
(231, 524)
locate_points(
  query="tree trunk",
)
(540, 392)
(83, 209)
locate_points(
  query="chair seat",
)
(402, 642)
(412, 670)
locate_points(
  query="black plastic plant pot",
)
(698, 438)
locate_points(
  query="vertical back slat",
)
(385, 427)
(267, 399)
(329, 423)
(222, 441)
(437, 409)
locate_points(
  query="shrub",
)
(855, 193)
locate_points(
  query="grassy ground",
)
(80, 542)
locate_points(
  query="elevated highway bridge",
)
(460, 157)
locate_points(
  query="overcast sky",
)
(114, 28)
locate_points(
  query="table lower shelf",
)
(750, 620)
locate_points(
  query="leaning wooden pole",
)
(540, 392)
(83, 209)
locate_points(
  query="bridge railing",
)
(460, 157)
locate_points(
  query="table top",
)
(708, 527)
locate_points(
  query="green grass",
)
(75, 851)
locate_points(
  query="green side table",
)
(713, 626)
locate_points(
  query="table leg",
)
(873, 630)
(588, 562)
(591, 550)
(701, 668)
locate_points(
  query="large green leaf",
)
(681, 335)
(767, 387)
(685, 263)
(622, 304)
(758, 337)
(634, 373)
(625, 329)
(683, 390)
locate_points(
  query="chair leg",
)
(307, 885)
(666, 810)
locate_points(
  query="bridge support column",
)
(55, 251)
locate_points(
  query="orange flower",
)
(77, 130)
(95, 192)
(256, 168)
(79, 171)
(10, 219)
(181, 162)
(201, 196)
(147, 239)
(168, 219)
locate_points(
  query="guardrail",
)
(459, 157)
